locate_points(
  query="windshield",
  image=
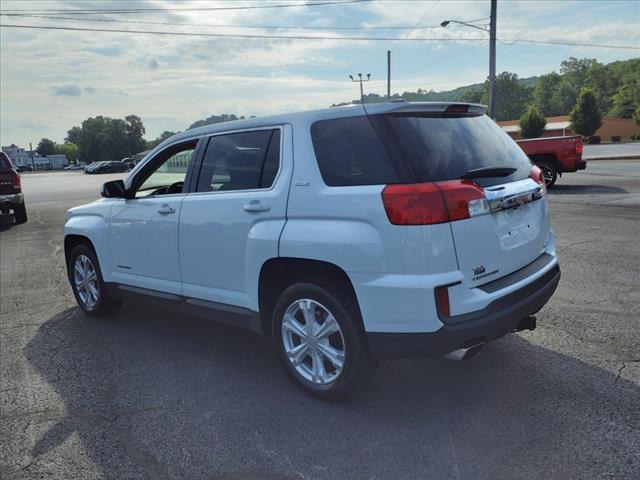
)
(446, 148)
(5, 162)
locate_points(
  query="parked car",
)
(348, 236)
(74, 166)
(91, 167)
(110, 167)
(555, 155)
(129, 162)
(11, 197)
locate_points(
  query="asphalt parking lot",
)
(154, 395)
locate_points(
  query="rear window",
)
(445, 148)
(409, 148)
(5, 162)
(349, 152)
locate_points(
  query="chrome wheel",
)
(85, 278)
(313, 341)
(547, 173)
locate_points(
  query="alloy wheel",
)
(313, 341)
(547, 173)
(85, 278)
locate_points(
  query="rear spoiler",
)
(428, 107)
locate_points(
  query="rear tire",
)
(87, 283)
(20, 214)
(320, 341)
(550, 173)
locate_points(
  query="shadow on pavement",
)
(150, 394)
(585, 189)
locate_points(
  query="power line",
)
(186, 9)
(423, 17)
(314, 37)
(237, 35)
(569, 44)
(406, 72)
(214, 25)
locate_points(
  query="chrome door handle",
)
(166, 209)
(254, 206)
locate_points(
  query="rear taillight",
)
(538, 176)
(431, 203)
(16, 182)
(578, 147)
(442, 301)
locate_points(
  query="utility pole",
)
(360, 79)
(492, 60)
(492, 53)
(388, 75)
(33, 165)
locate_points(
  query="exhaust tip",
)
(462, 354)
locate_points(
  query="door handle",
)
(166, 209)
(254, 206)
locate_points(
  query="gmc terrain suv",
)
(347, 235)
(11, 197)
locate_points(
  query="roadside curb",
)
(626, 157)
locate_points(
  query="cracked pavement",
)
(150, 394)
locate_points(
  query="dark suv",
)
(11, 197)
(111, 167)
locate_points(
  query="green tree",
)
(626, 99)
(636, 116)
(103, 138)
(585, 116)
(512, 97)
(532, 123)
(70, 150)
(46, 147)
(544, 94)
(564, 98)
(225, 117)
(161, 138)
(74, 135)
(575, 70)
(604, 84)
(135, 131)
(471, 96)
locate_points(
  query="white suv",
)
(347, 234)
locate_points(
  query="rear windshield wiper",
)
(489, 172)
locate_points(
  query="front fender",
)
(93, 226)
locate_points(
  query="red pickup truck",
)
(555, 155)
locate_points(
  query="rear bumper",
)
(7, 201)
(581, 164)
(499, 318)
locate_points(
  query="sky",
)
(51, 80)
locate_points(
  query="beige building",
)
(559, 126)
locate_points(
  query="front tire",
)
(87, 283)
(320, 342)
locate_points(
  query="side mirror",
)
(113, 189)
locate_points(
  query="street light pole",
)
(388, 75)
(360, 79)
(492, 60)
(492, 53)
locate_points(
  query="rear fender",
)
(353, 245)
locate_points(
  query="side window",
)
(169, 171)
(349, 152)
(240, 161)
